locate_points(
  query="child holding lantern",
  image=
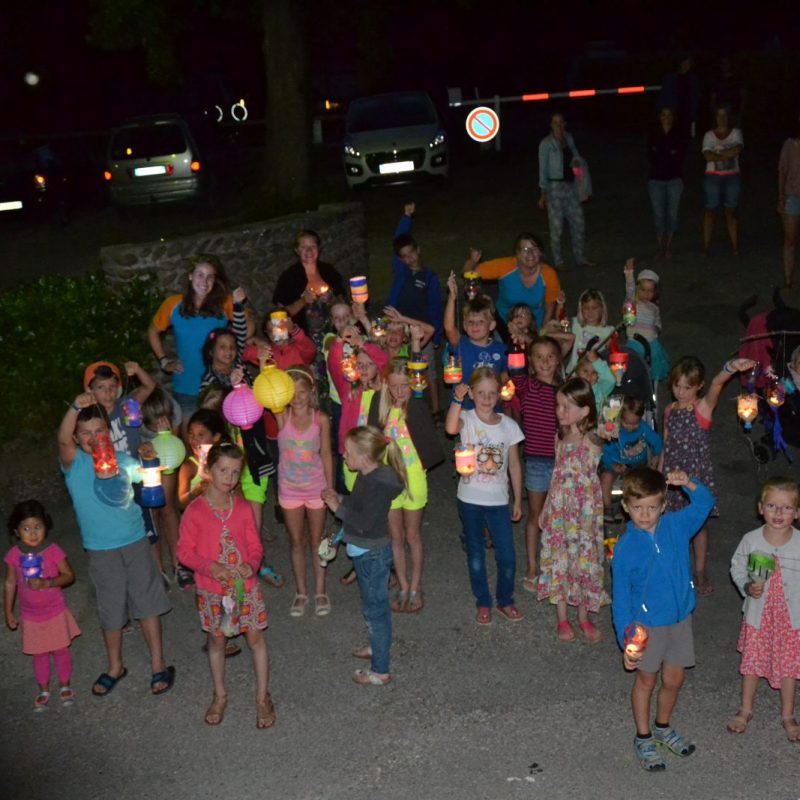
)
(121, 567)
(643, 293)
(653, 595)
(766, 570)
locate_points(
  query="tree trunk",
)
(288, 128)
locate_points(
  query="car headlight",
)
(437, 140)
(349, 150)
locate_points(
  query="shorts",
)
(538, 472)
(722, 190)
(669, 644)
(416, 496)
(255, 493)
(310, 503)
(187, 403)
(126, 584)
(791, 206)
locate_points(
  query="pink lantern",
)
(240, 407)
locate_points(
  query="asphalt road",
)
(499, 713)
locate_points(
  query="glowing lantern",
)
(635, 639)
(273, 389)
(610, 413)
(31, 565)
(747, 409)
(418, 376)
(358, 289)
(517, 362)
(202, 460)
(760, 566)
(776, 394)
(240, 407)
(508, 391)
(323, 290)
(103, 456)
(472, 284)
(152, 490)
(170, 451)
(378, 331)
(131, 413)
(452, 372)
(466, 462)
(609, 544)
(350, 369)
(618, 363)
(279, 326)
(629, 313)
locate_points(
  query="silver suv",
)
(151, 160)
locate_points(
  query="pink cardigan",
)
(199, 541)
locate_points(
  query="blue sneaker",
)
(671, 739)
(650, 758)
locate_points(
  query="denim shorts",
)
(538, 472)
(722, 190)
(792, 205)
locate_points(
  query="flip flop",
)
(530, 585)
(366, 677)
(166, 676)
(108, 683)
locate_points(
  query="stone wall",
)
(254, 255)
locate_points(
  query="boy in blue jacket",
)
(652, 585)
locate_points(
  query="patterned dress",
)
(773, 650)
(687, 447)
(571, 566)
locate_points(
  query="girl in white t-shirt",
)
(483, 495)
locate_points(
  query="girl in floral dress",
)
(687, 441)
(571, 568)
(219, 542)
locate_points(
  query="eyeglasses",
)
(774, 507)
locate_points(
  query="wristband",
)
(456, 401)
(75, 407)
(726, 368)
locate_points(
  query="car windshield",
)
(147, 141)
(390, 111)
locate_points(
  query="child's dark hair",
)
(690, 368)
(548, 341)
(580, 393)
(642, 482)
(223, 450)
(157, 406)
(211, 342)
(481, 304)
(25, 509)
(94, 411)
(633, 404)
(103, 372)
(514, 311)
(403, 240)
(211, 420)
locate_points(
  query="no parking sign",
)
(483, 124)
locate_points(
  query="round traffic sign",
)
(483, 124)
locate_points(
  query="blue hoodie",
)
(652, 581)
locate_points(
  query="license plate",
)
(141, 172)
(11, 205)
(396, 166)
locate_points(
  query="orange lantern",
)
(103, 456)
(508, 390)
(635, 639)
(350, 369)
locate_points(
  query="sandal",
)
(738, 723)
(366, 677)
(400, 602)
(271, 577)
(590, 631)
(322, 605)
(348, 578)
(363, 652)
(108, 683)
(166, 678)
(530, 585)
(216, 711)
(484, 616)
(510, 612)
(565, 632)
(66, 696)
(265, 713)
(298, 607)
(416, 602)
(792, 728)
(41, 701)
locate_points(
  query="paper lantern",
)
(747, 409)
(507, 391)
(466, 462)
(452, 372)
(358, 289)
(273, 389)
(240, 407)
(350, 368)
(629, 313)
(618, 363)
(131, 413)
(279, 327)
(635, 639)
(417, 376)
(152, 490)
(472, 284)
(31, 565)
(103, 456)
(170, 451)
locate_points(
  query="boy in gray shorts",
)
(121, 565)
(652, 586)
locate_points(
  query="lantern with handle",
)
(472, 284)
(279, 327)
(131, 413)
(452, 372)
(418, 376)
(350, 368)
(240, 407)
(618, 363)
(31, 565)
(776, 394)
(466, 461)
(747, 409)
(170, 451)
(635, 639)
(103, 457)
(378, 330)
(152, 490)
(760, 566)
(358, 289)
(273, 389)
(628, 313)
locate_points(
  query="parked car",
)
(393, 137)
(32, 182)
(152, 160)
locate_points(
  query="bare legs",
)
(299, 543)
(700, 549)
(167, 520)
(791, 228)
(642, 692)
(405, 528)
(732, 223)
(532, 532)
(749, 687)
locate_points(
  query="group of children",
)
(367, 460)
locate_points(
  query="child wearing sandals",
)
(48, 628)
(652, 587)
(220, 543)
(769, 640)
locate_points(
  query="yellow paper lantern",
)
(273, 389)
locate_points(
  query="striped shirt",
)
(538, 404)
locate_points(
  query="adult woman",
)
(308, 286)
(722, 184)
(789, 200)
(523, 278)
(559, 192)
(666, 150)
(205, 304)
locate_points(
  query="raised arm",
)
(709, 401)
(67, 448)
(450, 324)
(133, 370)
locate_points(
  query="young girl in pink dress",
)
(48, 628)
(769, 640)
(305, 469)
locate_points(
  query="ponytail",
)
(369, 441)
